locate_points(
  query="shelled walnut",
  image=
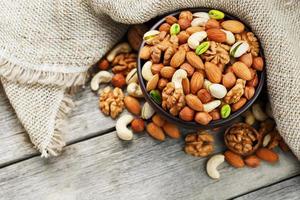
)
(236, 92)
(124, 63)
(199, 144)
(172, 99)
(111, 102)
(250, 38)
(217, 53)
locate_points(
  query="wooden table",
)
(97, 165)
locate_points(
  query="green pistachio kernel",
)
(202, 48)
(216, 14)
(225, 111)
(175, 29)
(232, 52)
(155, 95)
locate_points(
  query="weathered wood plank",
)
(85, 121)
(289, 189)
(106, 168)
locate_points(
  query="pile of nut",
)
(122, 62)
(201, 66)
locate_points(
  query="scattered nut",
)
(147, 111)
(137, 125)
(120, 48)
(212, 164)
(199, 144)
(121, 127)
(100, 77)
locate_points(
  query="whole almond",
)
(212, 23)
(184, 23)
(258, 63)
(162, 83)
(132, 105)
(213, 72)
(158, 120)
(164, 27)
(215, 114)
(236, 106)
(267, 155)
(137, 125)
(252, 161)
(155, 131)
(216, 35)
(234, 159)
(171, 130)
(188, 68)
(152, 83)
(186, 86)
(170, 19)
(249, 92)
(196, 82)
(155, 68)
(229, 80)
(183, 36)
(241, 70)
(253, 82)
(233, 25)
(194, 60)
(203, 118)
(187, 114)
(184, 47)
(194, 29)
(194, 102)
(204, 96)
(177, 59)
(247, 59)
(145, 52)
(167, 72)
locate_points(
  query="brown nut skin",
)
(258, 63)
(196, 82)
(234, 159)
(132, 105)
(186, 86)
(145, 52)
(187, 114)
(186, 15)
(178, 58)
(253, 82)
(184, 23)
(213, 72)
(135, 35)
(170, 19)
(155, 68)
(183, 36)
(138, 125)
(194, 60)
(155, 131)
(204, 96)
(229, 80)
(171, 130)
(188, 68)
(249, 92)
(216, 35)
(194, 29)
(252, 161)
(158, 120)
(215, 114)
(167, 72)
(103, 64)
(212, 23)
(236, 106)
(162, 83)
(247, 59)
(165, 27)
(118, 80)
(194, 102)
(267, 155)
(203, 118)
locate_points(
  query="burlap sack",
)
(47, 46)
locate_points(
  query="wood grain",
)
(106, 168)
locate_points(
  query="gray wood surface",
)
(106, 168)
(289, 189)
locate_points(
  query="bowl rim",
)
(192, 124)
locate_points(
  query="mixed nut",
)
(201, 66)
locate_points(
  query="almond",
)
(194, 29)
(241, 70)
(252, 161)
(196, 82)
(267, 155)
(216, 35)
(253, 82)
(188, 68)
(171, 130)
(213, 72)
(155, 131)
(167, 72)
(187, 114)
(194, 102)
(204, 96)
(183, 37)
(203, 118)
(234, 159)
(194, 60)
(186, 86)
(155, 68)
(247, 59)
(229, 80)
(164, 27)
(233, 25)
(178, 58)
(212, 23)
(258, 63)
(184, 23)
(152, 83)
(137, 125)
(145, 52)
(132, 105)
(158, 120)
(236, 106)
(249, 92)
(215, 114)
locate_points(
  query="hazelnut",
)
(118, 81)
(170, 19)
(186, 15)
(155, 68)
(103, 64)
(203, 118)
(162, 83)
(258, 63)
(158, 120)
(215, 114)
(165, 27)
(188, 68)
(253, 82)
(229, 80)
(137, 125)
(249, 92)
(184, 23)
(204, 96)
(183, 37)
(187, 114)
(212, 23)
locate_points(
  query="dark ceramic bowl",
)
(193, 124)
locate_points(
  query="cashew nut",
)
(195, 39)
(200, 19)
(269, 110)
(146, 71)
(249, 117)
(121, 126)
(212, 164)
(100, 77)
(147, 111)
(132, 76)
(208, 107)
(133, 89)
(258, 112)
(123, 47)
(177, 78)
(230, 39)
